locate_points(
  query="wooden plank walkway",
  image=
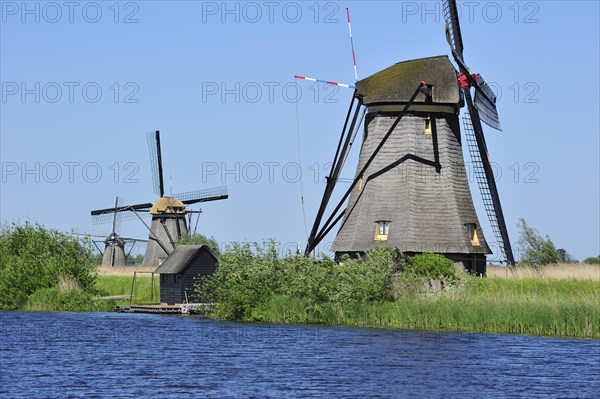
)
(181, 308)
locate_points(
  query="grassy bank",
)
(255, 284)
(67, 296)
(120, 285)
(550, 307)
(532, 307)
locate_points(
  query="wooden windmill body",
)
(114, 251)
(167, 226)
(414, 195)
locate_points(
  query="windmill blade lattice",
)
(484, 188)
(118, 214)
(209, 194)
(156, 162)
(483, 109)
(85, 233)
(485, 99)
(453, 34)
(116, 224)
(488, 188)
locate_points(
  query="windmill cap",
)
(397, 83)
(168, 205)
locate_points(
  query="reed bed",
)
(123, 270)
(547, 308)
(563, 271)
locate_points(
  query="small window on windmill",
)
(360, 184)
(428, 125)
(472, 233)
(382, 229)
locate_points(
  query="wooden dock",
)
(180, 308)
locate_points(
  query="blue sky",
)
(83, 83)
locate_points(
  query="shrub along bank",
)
(252, 283)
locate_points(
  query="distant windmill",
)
(410, 190)
(114, 245)
(168, 212)
(114, 252)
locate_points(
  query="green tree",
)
(592, 260)
(200, 239)
(536, 250)
(33, 257)
(431, 266)
(135, 259)
(566, 257)
(249, 275)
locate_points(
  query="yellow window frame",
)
(472, 232)
(427, 125)
(382, 229)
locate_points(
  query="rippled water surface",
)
(63, 355)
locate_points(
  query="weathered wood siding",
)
(203, 264)
(174, 286)
(170, 289)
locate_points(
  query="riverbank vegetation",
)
(253, 283)
(44, 269)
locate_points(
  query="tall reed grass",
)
(564, 271)
(556, 308)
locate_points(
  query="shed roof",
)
(397, 83)
(180, 258)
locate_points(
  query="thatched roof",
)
(397, 83)
(179, 259)
(168, 205)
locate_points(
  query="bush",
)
(431, 266)
(536, 251)
(54, 299)
(200, 239)
(592, 260)
(33, 258)
(248, 276)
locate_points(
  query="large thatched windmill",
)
(168, 213)
(410, 189)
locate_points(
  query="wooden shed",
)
(180, 268)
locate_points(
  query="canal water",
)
(106, 355)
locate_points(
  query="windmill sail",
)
(487, 110)
(481, 178)
(156, 162)
(482, 109)
(453, 34)
(206, 195)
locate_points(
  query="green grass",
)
(565, 308)
(121, 285)
(531, 307)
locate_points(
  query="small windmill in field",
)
(410, 189)
(168, 213)
(115, 252)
